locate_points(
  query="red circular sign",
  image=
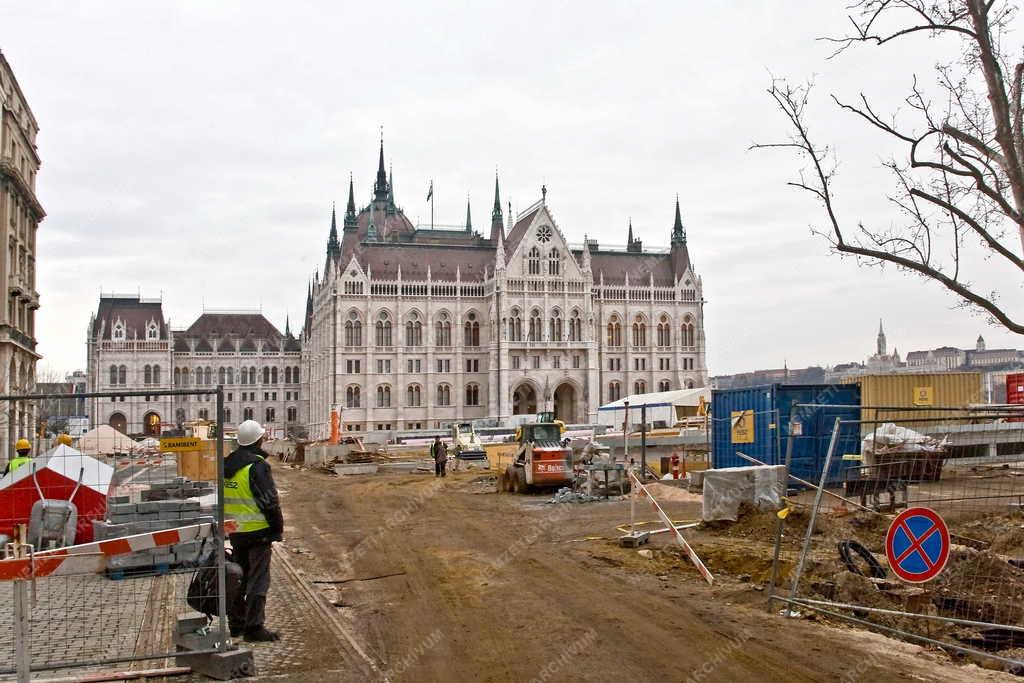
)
(917, 545)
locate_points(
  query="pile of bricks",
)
(163, 506)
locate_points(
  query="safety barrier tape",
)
(88, 558)
(694, 558)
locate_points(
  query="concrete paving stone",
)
(149, 506)
(122, 509)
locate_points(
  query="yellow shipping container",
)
(884, 395)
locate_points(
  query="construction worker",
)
(65, 440)
(439, 452)
(250, 498)
(23, 448)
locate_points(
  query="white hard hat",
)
(249, 432)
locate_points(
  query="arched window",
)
(288, 374)
(688, 332)
(639, 332)
(383, 396)
(295, 374)
(471, 335)
(147, 375)
(227, 414)
(119, 331)
(555, 326)
(575, 326)
(443, 331)
(412, 396)
(689, 384)
(533, 261)
(177, 377)
(614, 391)
(266, 375)
(252, 375)
(383, 329)
(639, 387)
(515, 326)
(122, 375)
(208, 376)
(113, 374)
(444, 395)
(152, 331)
(664, 332)
(231, 375)
(472, 394)
(222, 375)
(614, 332)
(352, 396)
(554, 262)
(273, 375)
(413, 331)
(536, 327)
(664, 385)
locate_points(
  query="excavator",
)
(541, 460)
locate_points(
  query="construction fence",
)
(916, 531)
(101, 542)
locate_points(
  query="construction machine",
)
(466, 446)
(541, 460)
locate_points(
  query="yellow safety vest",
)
(17, 462)
(240, 505)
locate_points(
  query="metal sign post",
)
(643, 442)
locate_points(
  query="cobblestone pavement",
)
(88, 618)
(78, 618)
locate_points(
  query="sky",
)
(192, 150)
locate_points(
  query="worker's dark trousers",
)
(247, 608)
(439, 468)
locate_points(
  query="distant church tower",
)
(881, 339)
(980, 346)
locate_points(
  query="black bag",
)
(203, 589)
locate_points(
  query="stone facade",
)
(414, 328)
(131, 347)
(20, 215)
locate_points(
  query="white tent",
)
(666, 407)
(105, 440)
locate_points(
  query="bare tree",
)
(961, 184)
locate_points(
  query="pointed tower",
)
(391, 192)
(469, 217)
(350, 209)
(333, 244)
(287, 326)
(371, 230)
(308, 324)
(499, 255)
(633, 246)
(497, 223)
(380, 186)
(585, 263)
(881, 339)
(680, 253)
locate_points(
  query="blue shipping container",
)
(756, 422)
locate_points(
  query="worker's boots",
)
(262, 635)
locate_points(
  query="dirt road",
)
(445, 580)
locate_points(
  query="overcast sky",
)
(193, 149)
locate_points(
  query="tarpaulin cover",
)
(759, 486)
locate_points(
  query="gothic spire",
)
(391, 190)
(497, 223)
(371, 230)
(287, 326)
(678, 232)
(469, 217)
(333, 245)
(629, 239)
(380, 187)
(350, 209)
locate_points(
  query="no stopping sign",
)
(917, 545)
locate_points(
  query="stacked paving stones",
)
(163, 506)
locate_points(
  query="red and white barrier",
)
(671, 527)
(90, 558)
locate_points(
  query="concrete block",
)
(221, 666)
(118, 500)
(190, 622)
(122, 509)
(170, 515)
(189, 505)
(149, 506)
(356, 468)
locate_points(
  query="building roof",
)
(383, 261)
(221, 331)
(614, 265)
(133, 311)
